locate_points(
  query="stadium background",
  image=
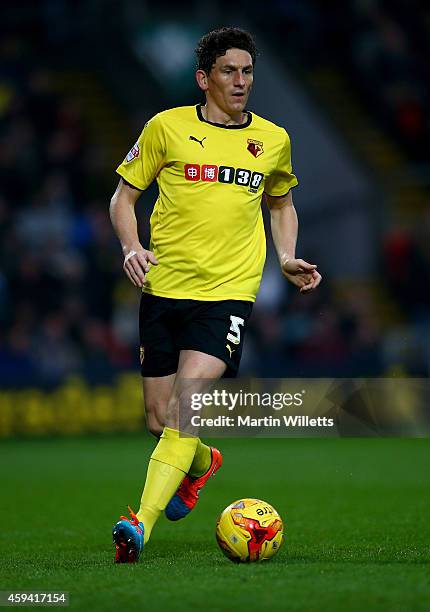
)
(78, 79)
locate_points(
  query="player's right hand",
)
(137, 262)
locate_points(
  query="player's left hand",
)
(302, 274)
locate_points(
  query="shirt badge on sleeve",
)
(133, 153)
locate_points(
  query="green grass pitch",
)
(356, 511)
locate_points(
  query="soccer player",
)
(213, 162)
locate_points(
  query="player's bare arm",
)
(284, 226)
(137, 260)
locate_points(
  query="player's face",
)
(229, 82)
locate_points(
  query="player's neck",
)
(214, 114)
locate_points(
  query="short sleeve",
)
(282, 179)
(146, 158)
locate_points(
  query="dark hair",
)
(218, 42)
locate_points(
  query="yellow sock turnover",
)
(202, 460)
(170, 461)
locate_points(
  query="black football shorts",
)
(168, 326)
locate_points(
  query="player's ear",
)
(202, 79)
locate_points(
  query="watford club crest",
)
(255, 147)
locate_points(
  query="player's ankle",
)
(197, 473)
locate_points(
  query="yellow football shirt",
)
(207, 227)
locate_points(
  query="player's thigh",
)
(216, 329)
(196, 373)
(158, 351)
(199, 366)
(157, 391)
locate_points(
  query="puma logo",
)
(199, 141)
(230, 350)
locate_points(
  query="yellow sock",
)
(169, 462)
(202, 460)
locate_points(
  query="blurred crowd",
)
(382, 47)
(66, 306)
(389, 48)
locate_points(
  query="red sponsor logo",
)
(192, 172)
(209, 173)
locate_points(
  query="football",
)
(249, 530)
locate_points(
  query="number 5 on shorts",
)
(234, 333)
